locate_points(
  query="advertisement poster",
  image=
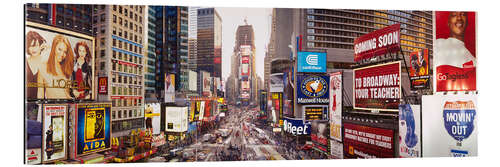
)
(245, 60)
(296, 127)
(376, 43)
(206, 83)
(176, 119)
(245, 49)
(378, 87)
(320, 134)
(449, 125)
(336, 149)
(93, 122)
(455, 51)
(201, 109)
(59, 64)
(276, 82)
(33, 133)
(367, 142)
(152, 114)
(55, 120)
(103, 85)
(335, 106)
(419, 69)
(169, 88)
(278, 106)
(313, 89)
(409, 131)
(33, 156)
(192, 80)
(314, 62)
(315, 112)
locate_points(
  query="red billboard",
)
(378, 87)
(103, 85)
(455, 51)
(419, 69)
(382, 41)
(245, 59)
(368, 142)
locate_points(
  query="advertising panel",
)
(335, 106)
(320, 133)
(201, 110)
(314, 62)
(245, 85)
(419, 69)
(276, 82)
(245, 59)
(169, 88)
(277, 100)
(176, 119)
(55, 121)
(455, 51)
(336, 149)
(315, 112)
(33, 156)
(367, 142)
(378, 87)
(296, 127)
(192, 80)
(152, 114)
(449, 125)
(409, 131)
(245, 69)
(33, 133)
(103, 85)
(93, 128)
(245, 49)
(59, 63)
(206, 83)
(313, 89)
(376, 43)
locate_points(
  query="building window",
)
(126, 11)
(103, 65)
(114, 66)
(120, 20)
(103, 17)
(103, 53)
(114, 18)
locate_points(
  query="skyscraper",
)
(209, 40)
(121, 50)
(150, 72)
(71, 17)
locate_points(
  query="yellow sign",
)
(152, 115)
(220, 100)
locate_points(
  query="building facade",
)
(121, 52)
(150, 71)
(209, 41)
(71, 17)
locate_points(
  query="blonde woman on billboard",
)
(82, 72)
(58, 70)
(35, 45)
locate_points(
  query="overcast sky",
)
(260, 19)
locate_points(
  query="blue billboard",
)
(313, 89)
(296, 126)
(93, 122)
(314, 62)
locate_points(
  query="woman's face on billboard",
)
(82, 52)
(60, 52)
(34, 48)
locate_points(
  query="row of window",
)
(131, 26)
(124, 11)
(126, 102)
(123, 45)
(127, 57)
(116, 78)
(118, 126)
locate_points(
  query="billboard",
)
(335, 106)
(314, 62)
(245, 85)
(176, 119)
(277, 100)
(206, 83)
(201, 109)
(103, 85)
(419, 69)
(245, 49)
(152, 113)
(59, 64)
(192, 80)
(245, 69)
(409, 131)
(368, 142)
(54, 141)
(276, 82)
(377, 87)
(296, 126)
(449, 125)
(455, 51)
(315, 112)
(93, 128)
(320, 134)
(336, 149)
(169, 88)
(376, 43)
(245, 59)
(313, 89)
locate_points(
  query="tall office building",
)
(192, 36)
(171, 46)
(209, 40)
(150, 72)
(71, 17)
(120, 48)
